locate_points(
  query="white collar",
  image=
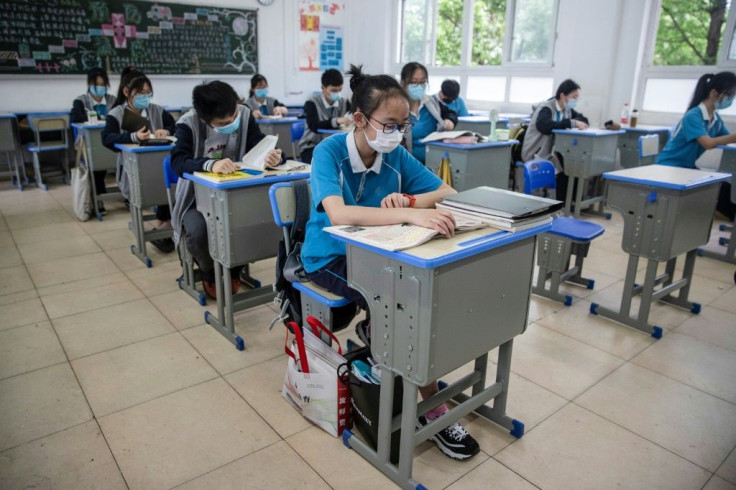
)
(557, 105)
(328, 104)
(356, 163)
(706, 116)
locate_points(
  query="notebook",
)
(133, 122)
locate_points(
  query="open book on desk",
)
(290, 166)
(255, 159)
(454, 135)
(398, 237)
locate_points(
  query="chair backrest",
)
(297, 131)
(42, 123)
(539, 174)
(648, 145)
(170, 178)
(283, 203)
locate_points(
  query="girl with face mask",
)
(427, 114)
(259, 101)
(702, 128)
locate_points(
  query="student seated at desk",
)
(449, 95)
(259, 102)
(365, 177)
(212, 136)
(99, 100)
(137, 94)
(702, 128)
(426, 113)
(325, 110)
(557, 112)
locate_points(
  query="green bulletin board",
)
(71, 36)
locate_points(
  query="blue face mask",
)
(141, 101)
(229, 128)
(261, 93)
(724, 103)
(571, 103)
(334, 96)
(416, 91)
(98, 90)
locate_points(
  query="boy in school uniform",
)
(449, 95)
(210, 137)
(325, 110)
(259, 102)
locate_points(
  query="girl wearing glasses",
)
(703, 129)
(427, 114)
(365, 178)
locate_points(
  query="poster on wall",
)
(321, 25)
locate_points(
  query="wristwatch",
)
(412, 199)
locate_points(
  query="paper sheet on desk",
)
(255, 159)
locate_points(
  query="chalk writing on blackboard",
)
(72, 36)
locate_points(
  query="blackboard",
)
(42, 37)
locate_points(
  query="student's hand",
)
(224, 166)
(257, 115)
(440, 220)
(448, 125)
(395, 200)
(273, 158)
(143, 134)
(580, 124)
(161, 133)
(343, 121)
(280, 111)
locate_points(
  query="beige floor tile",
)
(641, 400)
(10, 257)
(68, 247)
(115, 219)
(539, 307)
(107, 328)
(72, 302)
(133, 374)
(714, 269)
(601, 281)
(51, 216)
(40, 403)
(608, 241)
(337, 465)
(3, 225)
(158, 280)
(22, 313)
(73, 458)
(113, 239)
(727, 471)
(607, 261)
(14, 280)
(178, 437)
(698, 364)
(276, 466)
(47, 233)
(260, 385)
(27, 348)
(71, 269)
(712, 325)
(181, 309)
(726, 301)
(19, 297)
(491, 471)
(705, 290)
(6, 238)
(577, 322)
(716, 483)
(435, 470)
(83, 285)
(559, 363)
(577, 449)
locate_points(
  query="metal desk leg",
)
(225, 321)
(568, 194)
(729, 255)
(139, 249)
(580, 181)
(683, 284)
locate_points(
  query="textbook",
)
(133, 122)
(290, 166)
(235, 176)
(453, 135)
(500, 203)
(505, 224)
(398, 237)
(255, 159)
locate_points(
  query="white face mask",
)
(384, 143)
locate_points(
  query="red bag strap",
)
(317, 327)
(299, 339)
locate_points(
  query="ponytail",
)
(370, 91)
(720, 82)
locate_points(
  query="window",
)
(489, 26)
(486, 88)
(531, 90)
(449, 32)
(532, 37)
(416, 21)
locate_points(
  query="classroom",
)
(186, 200)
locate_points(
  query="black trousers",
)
(333, 277)
(306, 155)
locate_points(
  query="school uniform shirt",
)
(429, 118)
(320, 114)
(266, 107)
(86, 102)
(683, 149)
(457, 106)
(548, 115)
(337, 170)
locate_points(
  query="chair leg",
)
(37, 172)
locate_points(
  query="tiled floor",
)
(110, 379)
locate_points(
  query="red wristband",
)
(412, 200)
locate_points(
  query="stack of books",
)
(499, 208)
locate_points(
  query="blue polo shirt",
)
(337, 170)
(424, 125)
(683, 148)
(458, 105)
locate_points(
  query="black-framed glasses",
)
(389, 128)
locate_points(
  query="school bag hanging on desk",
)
(312, 384)
(81, 195)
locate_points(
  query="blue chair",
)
(188, 279)
(315, 301)
(568, 236)
(297, 131)
(49, 123)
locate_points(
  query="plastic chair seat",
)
(575, 229)
(320, 294)
(48, 146)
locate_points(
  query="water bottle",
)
(634, 117)
(625, 115)
(493, 118)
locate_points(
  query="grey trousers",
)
(195, 235)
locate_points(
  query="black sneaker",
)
(363, 331)
(165, 245)
(101, 207)
(454, 441)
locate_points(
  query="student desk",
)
(586, 153)
(280, 127)
(728, 165)
(98, 158)
(330, 132)
(477, 124)
(516, 118)
(176, 112)
(10, 146)
(473, 165)
(628, 144)
(436, 307)
(144, 166)
(667, 211)
(241, 231)
(294, 110)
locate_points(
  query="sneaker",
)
(101, 207)
(126, 203)
(363, 331)
(454, 441)
(165, 245)
(235, 284)
(210, 289)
